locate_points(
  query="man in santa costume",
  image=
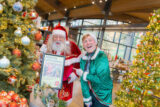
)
(57, 43)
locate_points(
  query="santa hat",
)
(58, 30)
(93, 36)
(61, 31)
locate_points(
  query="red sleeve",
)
(76, 52)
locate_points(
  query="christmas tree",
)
(141, 86)
(18, 64)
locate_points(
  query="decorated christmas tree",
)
(141, 86)
(18, 66)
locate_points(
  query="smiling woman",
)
(96, 82)
(89, 42)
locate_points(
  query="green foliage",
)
(20, 67)
(141, 84)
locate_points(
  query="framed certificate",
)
(52, 69)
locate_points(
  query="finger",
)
(69, 81)
(74, 68)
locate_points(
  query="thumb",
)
(75, 69)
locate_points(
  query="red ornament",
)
(38, 36)
(33, 15)
(16, 52)
(3, 103)
(3, 93)
(29, 88)
(23, 100)
(138, 45)
(8, 97)
(15, 97)
(158, 21)
(36, 66)
(12, 79)
(13, 104)
(24, 14)
(146, 73)
(10, 93)
(22, 105)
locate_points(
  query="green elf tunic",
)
(98, 78)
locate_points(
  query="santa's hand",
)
(72, 77)
(79, 72)
(88, 104)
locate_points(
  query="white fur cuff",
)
(43, 48)
(85, 76)
(87, 99)
(59, 32)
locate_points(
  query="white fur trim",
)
(69, 101)
(43, 48)
(94, 56)
(71, 61)
(59, 32)
(67, 42)
(87, 99)
(85, 76)
(96, 53)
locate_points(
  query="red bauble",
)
(33, 15)
(36, 66)
(146, 73)
(12, 79)
(13, 104)
(3, 103)
(158, 21)
(10, 93)
(16, 52)
(38, 36)
(138, 45)
(3, 93)
(29, 88)
(8, 97)
(22, 105)
(24, 14)
(15, 97)
(23, 100)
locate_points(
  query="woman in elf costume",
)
(96, 82)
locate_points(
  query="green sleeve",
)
(85, 90)
(84, 86)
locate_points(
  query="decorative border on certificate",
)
(52, 70)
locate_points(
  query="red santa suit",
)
(71, 61)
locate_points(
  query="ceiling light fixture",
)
(65, 9)
(74, 7)
(100, 1)
(93, 2)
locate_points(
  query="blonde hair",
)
(67, 48)
(85, 36)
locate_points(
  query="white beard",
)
(58, 46)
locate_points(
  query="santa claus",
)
(57, 43)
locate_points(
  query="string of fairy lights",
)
(92, 2)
